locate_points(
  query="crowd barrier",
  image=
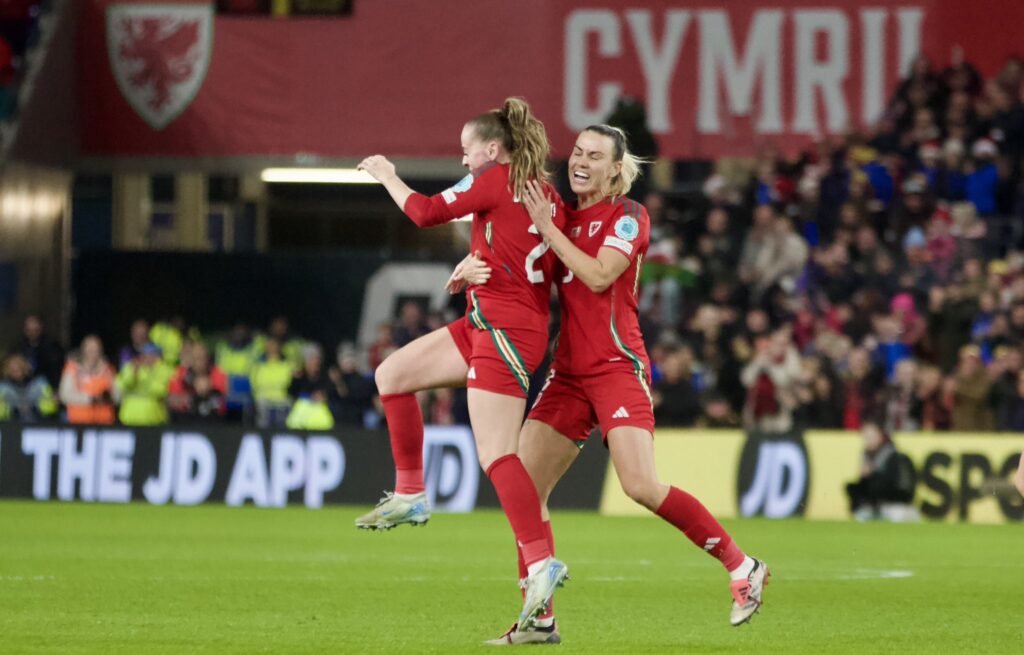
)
(235, 466)
(960, 477)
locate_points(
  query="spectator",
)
(351, 394)
(718, 413)
(900, 400)
(821, 405)
(1005, 371)
(972, 411)
(198, 389)
(410, 324)
(674, 396)
(8, 91)
(44, 355)
(935, 396)
(291, 345)
(138, 338)
(169, 337)
(771, 379)
(889, 349)
(24, 397)
(784, 261)
(270, 379)
(942, 247)
(382, 346)
(860, 386)
(757, 240)
(236, 357)
(909, 322)
(886, 485)
(664, 276)
(310, 389)
(914, 211)
(442, 405)
(205, 402)
(142, 385)
(717, 249)
(982, 177)
(950, 314)
(87, 385)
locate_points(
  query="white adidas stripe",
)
(621, 413)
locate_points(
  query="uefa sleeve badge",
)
(626, 228)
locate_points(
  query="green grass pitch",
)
(78, 578)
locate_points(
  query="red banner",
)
(400, 77)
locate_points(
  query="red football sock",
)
(519, 499)
(405, 425)
(689, 515)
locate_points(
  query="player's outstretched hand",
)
(378, 167)
(538, 204)
(471, 270)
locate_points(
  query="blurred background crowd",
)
(876, 276)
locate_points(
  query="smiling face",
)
(592, 165)
(476, 152)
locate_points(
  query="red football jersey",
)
(518, 293)
(601, 331)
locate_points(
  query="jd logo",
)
(450, 468)
(773, 478)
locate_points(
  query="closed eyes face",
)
(476, 152)
(591, 165)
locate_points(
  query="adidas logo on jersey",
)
(621, 413)
(472, 374)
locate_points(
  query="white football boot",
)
(746, 593)
(540, 587)
(396, 509)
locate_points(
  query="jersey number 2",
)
(535, 276)
(538, 276)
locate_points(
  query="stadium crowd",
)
(877, 275)
(167, 372)
(19, 30)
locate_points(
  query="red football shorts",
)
(574, 404)
(499, 360)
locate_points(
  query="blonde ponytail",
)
(623, 182)
(522, 135)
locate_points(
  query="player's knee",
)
(486, 456)
(388, 378)
(642, 491)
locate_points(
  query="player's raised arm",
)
(384, 172)
(597, 273)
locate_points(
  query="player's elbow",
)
(421, 211)
(599, 282)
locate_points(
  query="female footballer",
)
(600, 374)
(495, 348)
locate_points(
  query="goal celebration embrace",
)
(526, 243)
